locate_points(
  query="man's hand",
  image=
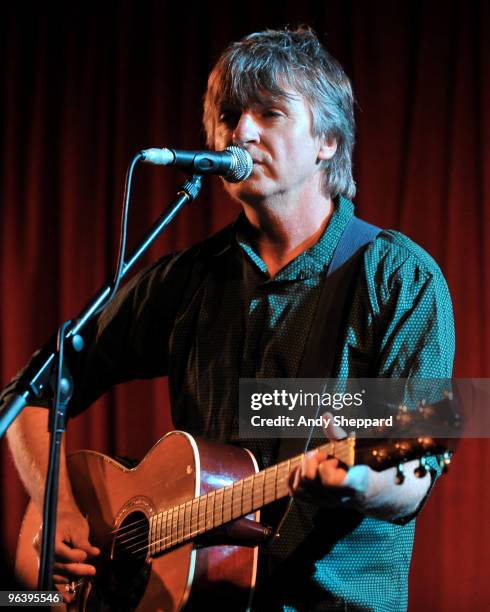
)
(72, 550)
(29, 442)
(320, 480)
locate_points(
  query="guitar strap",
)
(318, 361)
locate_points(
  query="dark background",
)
(86, 86)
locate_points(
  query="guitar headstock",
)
(429, 430)
(382, 454)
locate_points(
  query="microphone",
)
(234, 164)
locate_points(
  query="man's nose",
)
(246, 130)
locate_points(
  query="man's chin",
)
(247, 192)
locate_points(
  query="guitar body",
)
(117, 499)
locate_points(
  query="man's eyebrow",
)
(283, 99)
(260, 101)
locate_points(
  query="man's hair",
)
(274, 61)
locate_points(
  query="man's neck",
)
(279, 233)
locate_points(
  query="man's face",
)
(278, 134)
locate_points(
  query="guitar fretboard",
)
(197, 516)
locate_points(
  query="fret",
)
(201, 524)
(162, 538)
(158, 535)
(276, 481)
(153, 534)
(210, 510)
(270, 485)
(282, 470)
(258, 490)
(175, 518)
(227, 503)
(237, 498)
(247, 494)
(194, 516)
(295, 462)
(151, 547)
(218, 507)
(282, 479)
(187, 520)
(180, 523)
(162, 529)
(167, 533)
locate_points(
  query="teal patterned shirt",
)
(210, 315)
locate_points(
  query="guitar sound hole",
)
(123, 585)
(131, 542)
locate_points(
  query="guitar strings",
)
(225, 508)
(199, 530)
(136, 527)
(187, 536)
(129, 527)
(176, 511)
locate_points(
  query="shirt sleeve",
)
(128, 340)
(413, 322)
(412, 311)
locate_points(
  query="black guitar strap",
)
(318, 361)
(322, 344)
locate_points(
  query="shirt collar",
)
(314, 260)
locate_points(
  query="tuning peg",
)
(444, 462)
(400, 474)
(421, 471)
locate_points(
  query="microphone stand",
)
(64, 386)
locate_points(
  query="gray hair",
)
(273, 60)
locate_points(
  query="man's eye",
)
(272, 113)
(227, 118)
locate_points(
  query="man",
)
(243, 302)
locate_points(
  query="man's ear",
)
(328, 146)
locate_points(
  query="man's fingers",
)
(66, 554)
(73, 570)
(308, 472)
(73, 550)
(319, 479)
(60, 580)
(293, 480)
(78, 539)
(310, 463)
(309, 467)
(66, 549)
(331, 474)
(332, 431)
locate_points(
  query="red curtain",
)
(87, 86)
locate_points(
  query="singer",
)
(259, 299)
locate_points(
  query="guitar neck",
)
(182, 523)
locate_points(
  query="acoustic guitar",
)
(183, 524)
